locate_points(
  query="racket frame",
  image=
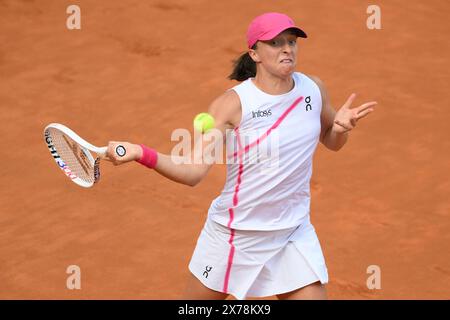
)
(84, 145)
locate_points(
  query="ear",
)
(254, 55)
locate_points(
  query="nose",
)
(286, 47)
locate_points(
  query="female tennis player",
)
(258, 240)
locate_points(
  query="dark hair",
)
(243, 68)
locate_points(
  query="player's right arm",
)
(190, 169)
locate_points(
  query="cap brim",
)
(298, 32)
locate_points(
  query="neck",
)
(272, 84)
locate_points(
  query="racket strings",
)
(75, 162)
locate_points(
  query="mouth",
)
(286, 61)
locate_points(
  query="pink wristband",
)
(149, 157)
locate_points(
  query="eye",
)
(293, 42)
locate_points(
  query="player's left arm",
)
(335, 126)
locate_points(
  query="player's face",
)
(278, 55)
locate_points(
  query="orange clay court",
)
(133, 73)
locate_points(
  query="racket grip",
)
(149, 157)
(102, 150)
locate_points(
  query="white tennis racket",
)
(73, 154)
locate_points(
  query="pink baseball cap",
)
(268, 25)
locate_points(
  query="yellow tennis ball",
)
(204, 122)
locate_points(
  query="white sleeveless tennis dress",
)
(258, 240)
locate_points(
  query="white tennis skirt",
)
(247, 263)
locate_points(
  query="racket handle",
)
(120, 151)
(102, 151)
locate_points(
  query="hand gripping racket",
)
(73, 154)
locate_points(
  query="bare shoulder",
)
(226, 109)
(316, 80)
(322, 88)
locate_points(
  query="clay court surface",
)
(137, 70)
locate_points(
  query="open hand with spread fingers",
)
(346, 117)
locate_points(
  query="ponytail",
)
(243, 68)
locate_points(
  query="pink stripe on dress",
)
(231, 211)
